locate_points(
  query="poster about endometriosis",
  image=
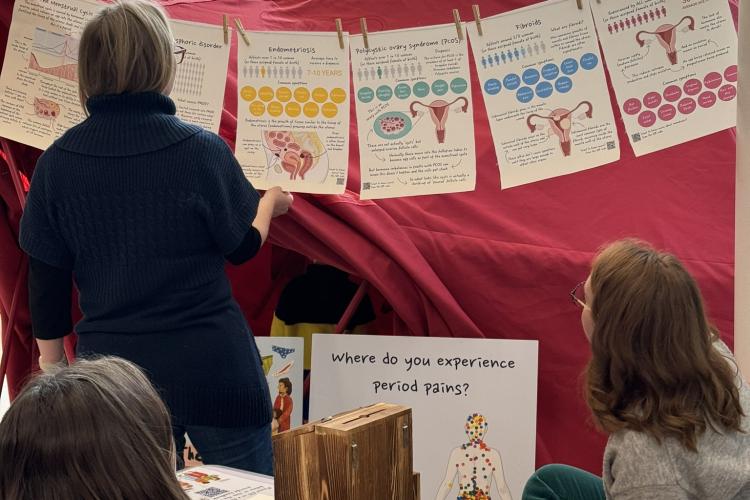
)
(283, 360)
(545, 92)
(414, 112)
(673, 64)
(473, 403)
(293, 111)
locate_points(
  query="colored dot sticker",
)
(310, 109)
(439, 87)
(524, 94)
(530, 76)
(712, 80)
(672, 93)
(544, 89)
(727, 92)
(632, 106)
(248, 93)
(275, 108)
(338, 95)
(652, 100)
(265, 93)
(301, 94)
(707, 99)
(293, 109)
(384, 93)
(421, 89)
(550, 71)
(692, 86)
(492, 86)
(257, 108)
(730, 74)
(563, 84)
(319, 95)
(459, 85)
(402, 91)
(667, 112)
(569, 66)
(646, 119)
(365, 94)
(511, 81)
(330, 110)
(283, 94)
(686, 106)
(589, 61)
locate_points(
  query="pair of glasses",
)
(577, 295)
(179, 53)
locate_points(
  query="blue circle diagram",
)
(439, 87)
(365, 94)
(402, 91)
(550, 71)
(589, 61)
(530, 76)
(563, 84)
(544, 89)
(524, 94)
(511, 81)
(459, 85)
(421, 89)
(492, 86)
(384, 93)
(569, 66)
(392, 125)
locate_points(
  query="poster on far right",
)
(673, 65)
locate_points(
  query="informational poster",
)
(484, 392)
(223, 483)
(545, 92)
(414, 112)
(293, 111)
(673, 65)
(283, 363)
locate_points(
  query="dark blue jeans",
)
(246, 448)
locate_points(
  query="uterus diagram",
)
(439, 112)
(666, 35)
(560, 121)
(295, 155)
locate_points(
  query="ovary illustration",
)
(560, 122)
(439, 113)
(666, 34)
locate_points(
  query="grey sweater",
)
(637, 467)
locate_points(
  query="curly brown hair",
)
(654, 367)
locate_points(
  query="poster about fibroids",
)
(293, 111)
(673, 65)
(414, 112)
(545, 92)
(473, 403)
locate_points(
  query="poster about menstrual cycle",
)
(414, 113)
(293, 111)
(673, 64)
(545, 92)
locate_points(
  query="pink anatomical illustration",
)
(439, 113)
(560, 122)
(666, 34)
(295, 155)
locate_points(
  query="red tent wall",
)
(494, 263)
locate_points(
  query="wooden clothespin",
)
(580, 4)
(226, 30)
(477, 18)
(241, 30)
(457, 20)
(340, 31)
(363, 28)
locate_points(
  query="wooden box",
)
(365, 454)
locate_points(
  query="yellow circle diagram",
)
(320, 95)
(311, 110)
(265, 93)
(283, 94)
(301, 94)
(275, 108)
(257, 108)
(330, 110)
(293, 109)
(248, 93)
(338, 95)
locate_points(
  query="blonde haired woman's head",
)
(127, 47)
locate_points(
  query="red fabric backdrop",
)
(490, 263)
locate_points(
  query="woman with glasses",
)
(144, 209)
(661, 383)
